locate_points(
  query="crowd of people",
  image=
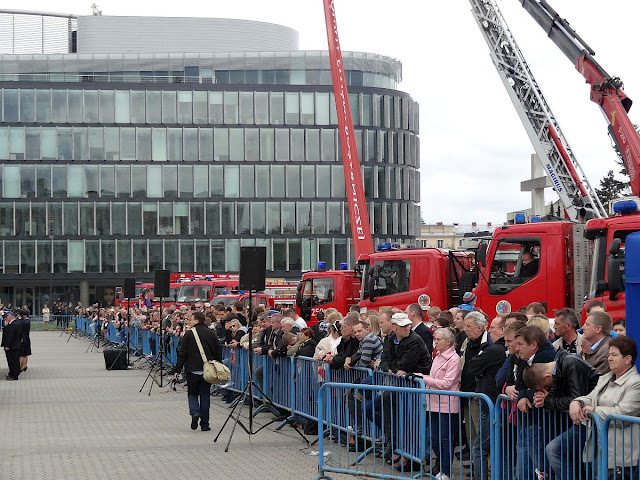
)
(538, 365)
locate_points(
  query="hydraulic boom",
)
(560, 165)
(606, 91)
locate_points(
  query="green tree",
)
(610, 188)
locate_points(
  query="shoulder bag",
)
(214, 371)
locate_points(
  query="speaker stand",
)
(151, 373)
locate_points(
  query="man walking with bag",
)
(197, 343)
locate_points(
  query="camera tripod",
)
(153, 373)
(74, 332)
(247, 393)
(95, 341)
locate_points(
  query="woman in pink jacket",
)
(445, 375)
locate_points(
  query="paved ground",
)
(69, 418)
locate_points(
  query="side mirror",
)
(298, 299)
(481, 254)
(614, 248)
(371, 284)
(616, 285)
(614, 273)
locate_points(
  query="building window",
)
(440, 243)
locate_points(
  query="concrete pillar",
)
(84, 292)
(537, 194)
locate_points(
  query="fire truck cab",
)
(427, 276)
(322, 289)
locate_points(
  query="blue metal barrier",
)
(146, 349)
(620, 440)
(280, 390)
(236, 360)
(309, 376)
(361, 456)
(405, 426)
(134, 340)
(545, 442)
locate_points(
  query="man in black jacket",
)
(11, 342)
(189, 356)
(416, 315)
(556, 385)
(484, 367)
(347, 346)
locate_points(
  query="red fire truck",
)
(575, 262)
(203, 287)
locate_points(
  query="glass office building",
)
(113, 165)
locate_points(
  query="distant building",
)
(454, 236)
(131, 144)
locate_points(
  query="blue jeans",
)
(199, 395)
(564, 452)
(529, 435)
(482, 445)
(442, 426)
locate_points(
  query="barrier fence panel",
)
(403, 426)
(236, 360)
(278, 381)
(339, 417)
(350, 449)
(146, 349)
(620, 442)
(309, 376)
(544, 444)
(134, 339)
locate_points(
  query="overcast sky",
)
(474, 150)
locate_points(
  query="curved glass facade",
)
(117, 177)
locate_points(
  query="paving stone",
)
(69, 418)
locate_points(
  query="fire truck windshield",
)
(193, 293)
(516, 260)
(388, 277)
(318, 291)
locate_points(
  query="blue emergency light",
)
(322, 266)
(344, 266)
(384, 246)
(535, 218)
(625, 206)
(519, 218)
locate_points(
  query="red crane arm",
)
(360, 228)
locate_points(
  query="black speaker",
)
(161, 282)
(115, 358)
(129, 288)
(253, 265)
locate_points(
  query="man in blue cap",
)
(11, 342)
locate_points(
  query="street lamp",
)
(50, 258)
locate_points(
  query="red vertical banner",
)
(360, 229)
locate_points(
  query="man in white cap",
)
(11, 342)
(404, 353)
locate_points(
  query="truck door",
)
(517, 275)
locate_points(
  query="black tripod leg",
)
(230, 416)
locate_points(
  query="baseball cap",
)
(401, 319)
